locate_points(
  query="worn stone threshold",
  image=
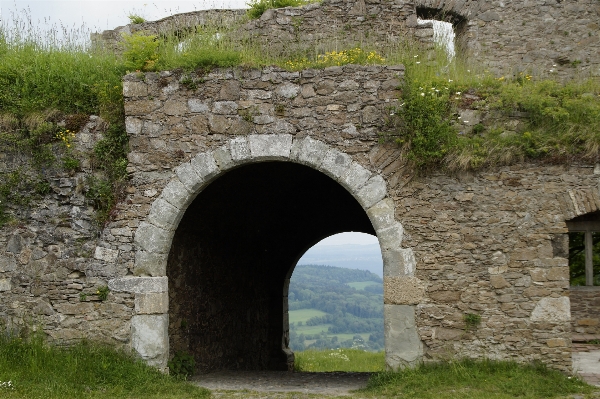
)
(328, 383)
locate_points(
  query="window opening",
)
(443, 35)
(448, 28)
(335, 297)
(584, 258)
(584, 250)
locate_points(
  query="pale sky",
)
(349, 238)
(99, 15)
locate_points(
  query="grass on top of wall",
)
(37, 370)
(43, 78)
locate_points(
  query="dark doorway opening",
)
(232, 256)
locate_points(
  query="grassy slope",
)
(40, 371)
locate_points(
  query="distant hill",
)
(332, 307)
(365, 257)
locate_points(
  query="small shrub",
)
(136, 19)
(472, 321)
(258, 7)
(182, 365)
(140, 51)
(102, 292)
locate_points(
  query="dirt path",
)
(334, 383)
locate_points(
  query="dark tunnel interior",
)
(233, 254)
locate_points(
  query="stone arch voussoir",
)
(154, 236)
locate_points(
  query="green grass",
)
(339, 360)
(476, 380)
(304, 314)
(360, 285)
(37, 370)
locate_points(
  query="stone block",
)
(391, 237)
(152, 303)
(336, 163)
(106, 254)
(5, 285)
(498, 281)
(287, 90)
(588, 322)
(135, 89)
(176, 194)
(150, 338)
(398, 262)
(188, 176)
(7, 263)
(139, 285)
(153, 239)
(382, 214)
(405, 290)
(164, 215)
(196, 105)
(445, 296)
(403, 346)
(372, 192)
(270, 146)
(240, 151)
(150, 264)
(309, 152)
(205, 166)
(552, 310)
(447, 334)
(133, 125)
(223, 158)
(225, 108)
(175, 108)
(556, 342)
(141, 107)
(355, 177)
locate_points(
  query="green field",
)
(360, 285)
(312, 329)
(304, 314)
(339, 360)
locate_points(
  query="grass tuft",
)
(339, 360)
(472, 379)
(37, 370)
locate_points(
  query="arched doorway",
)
(228, 229)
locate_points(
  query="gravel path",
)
(333, 383)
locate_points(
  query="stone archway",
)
(154, 240)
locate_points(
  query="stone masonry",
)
(232, 181)
(543, 37)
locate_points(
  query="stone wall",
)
(490, 247)
(51, 262)
(492, 244)
(547, 38)
(585, 317)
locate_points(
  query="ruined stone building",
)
(232, 182)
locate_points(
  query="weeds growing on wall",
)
(557, 121)
(258, 7)
(43, 79)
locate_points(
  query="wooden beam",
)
(589, 258)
